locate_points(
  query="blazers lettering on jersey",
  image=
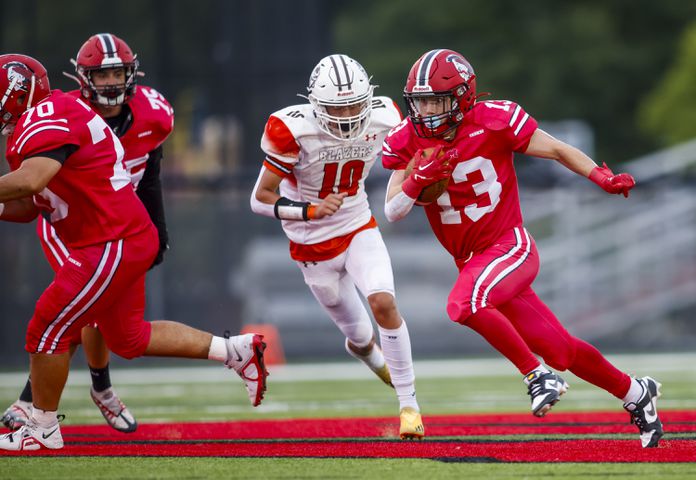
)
(90, 293)
(40, 126)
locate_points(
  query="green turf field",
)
(339, 390)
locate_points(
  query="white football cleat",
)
(32, 437)
(245, 356)
(113, 410)
(545, 390)
(644, 413)
(17, 415)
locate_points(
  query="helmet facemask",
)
(447, 118)
(108, 95)
(343, 127)
(340, 93)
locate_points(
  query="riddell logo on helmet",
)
(422, 88)
(346, 94)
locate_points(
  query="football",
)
(432, 192)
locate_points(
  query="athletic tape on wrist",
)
(286, 209)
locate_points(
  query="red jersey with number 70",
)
(91, 199)
(482, 200)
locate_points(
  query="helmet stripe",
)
(338, 74)
(349, 82)
(425, 67)
(108, 44)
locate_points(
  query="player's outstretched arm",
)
(545, 146)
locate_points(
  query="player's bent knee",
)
(383, 307)
(132, 347)
(459, 311)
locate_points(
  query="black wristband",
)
(286, 209)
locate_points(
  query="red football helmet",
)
(23, 83)
(103, 51)
(443, 78)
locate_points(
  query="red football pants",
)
(493, 296)
(104, 283)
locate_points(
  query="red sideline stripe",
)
(235, 439)
(435, 425)
(538, 451)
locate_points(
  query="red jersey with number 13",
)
(482, 200)
(91, 199)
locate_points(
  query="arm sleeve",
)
(59, 154)
(150, 193)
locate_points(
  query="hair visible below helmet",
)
(103, 51)
(445, 75)
(340, 81)
(23, 83)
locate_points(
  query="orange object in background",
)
(273, 355)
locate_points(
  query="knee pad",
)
(327, 295)
(458, 310)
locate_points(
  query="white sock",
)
(634, 392)
(218, 349)
(44, 418)
(374, 359)
(541, 369)
(396, 345)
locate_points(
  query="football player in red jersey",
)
(106, 70)
(66, 163)
(479, 221)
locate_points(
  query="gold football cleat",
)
(411, 424)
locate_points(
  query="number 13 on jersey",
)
(488, 185)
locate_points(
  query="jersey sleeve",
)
(510, 119)
(280, 147)
(160, 115)
(42, 129)
(396, 153)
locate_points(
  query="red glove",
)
(611, 183)
(430, 167)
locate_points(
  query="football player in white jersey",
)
(318, 155)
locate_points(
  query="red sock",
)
(591, 366)
(499, 332)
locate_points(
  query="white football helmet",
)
(341, 84)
